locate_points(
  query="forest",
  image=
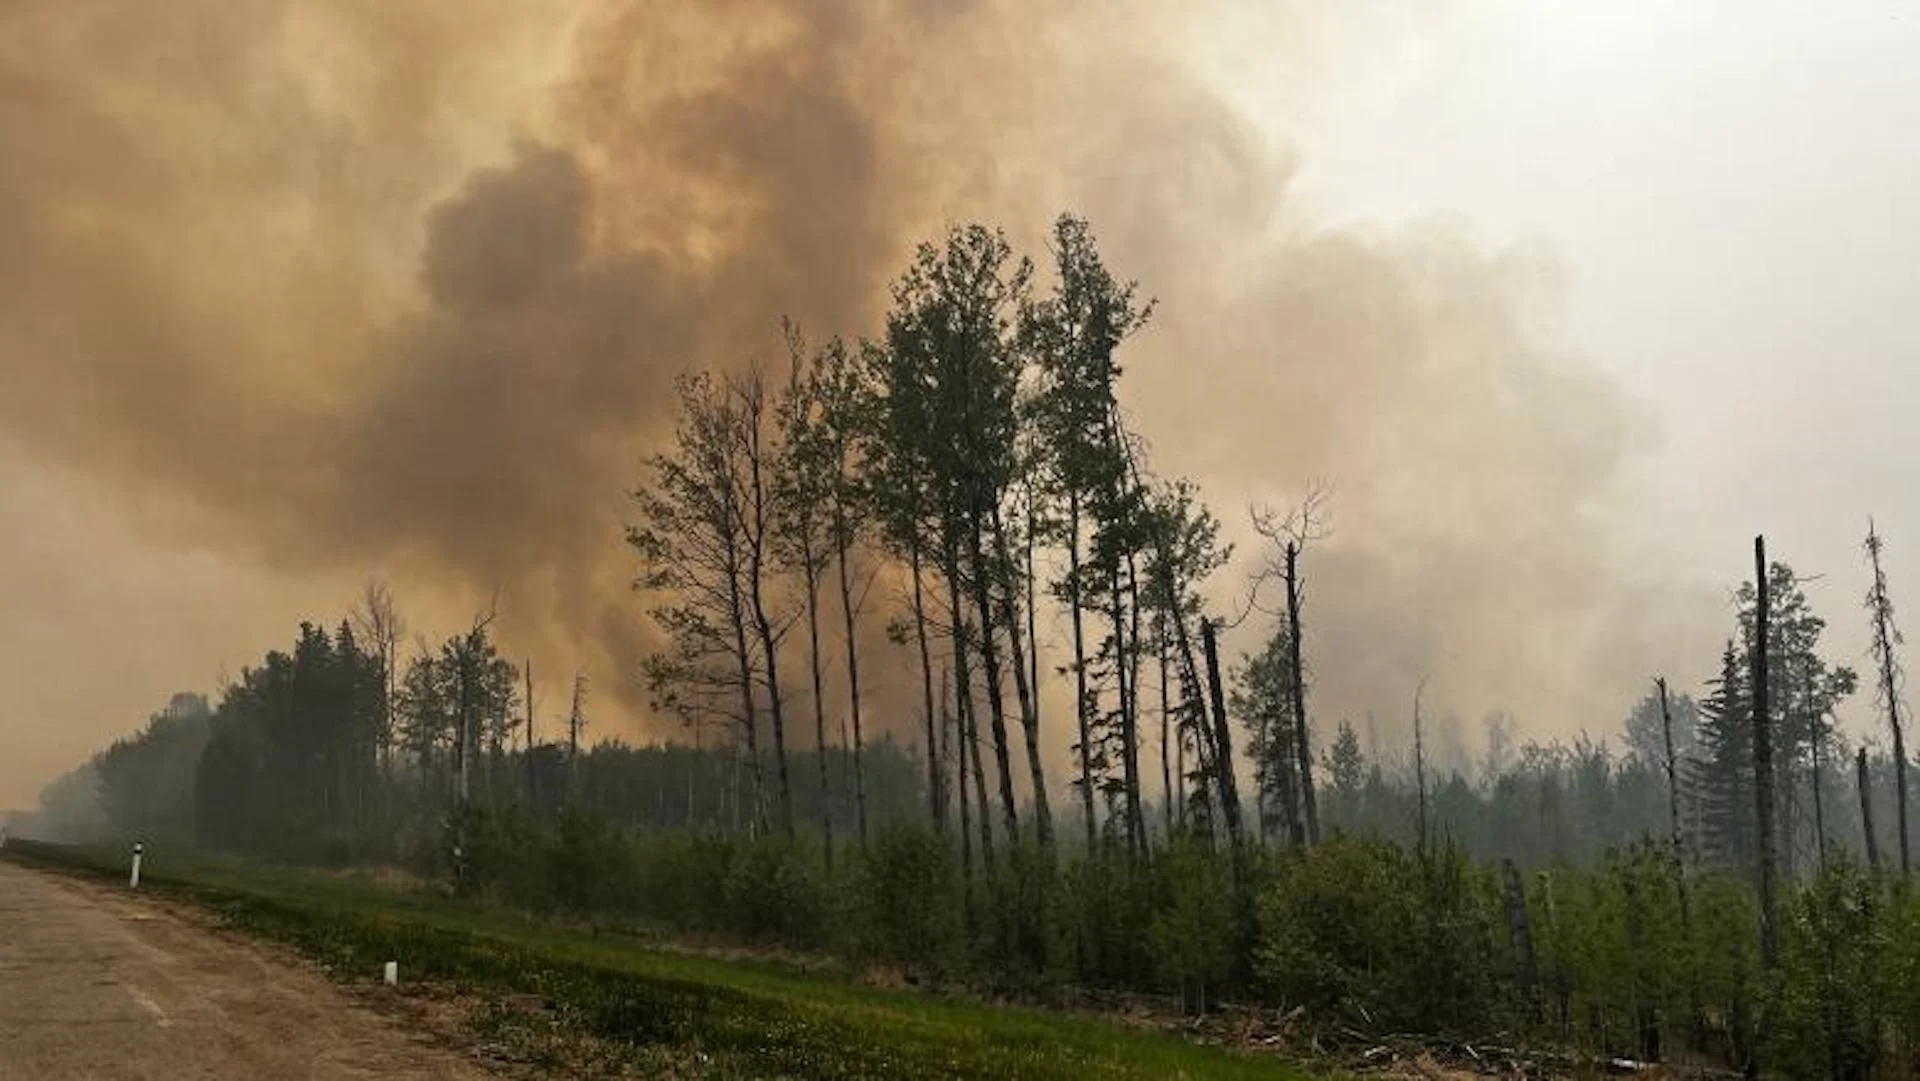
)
(1718, 876)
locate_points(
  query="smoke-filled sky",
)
(1564, 304)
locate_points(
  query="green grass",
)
(583, 1002)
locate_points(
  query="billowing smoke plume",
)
(337, 286)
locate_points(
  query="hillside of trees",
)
(1719, 874)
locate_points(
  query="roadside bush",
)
(683, 878)
(1363, 927)
(591, 867)
(1108, 907)
(908, 906)
(773, 893)
(1197, 935)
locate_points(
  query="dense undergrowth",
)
(1629, 957)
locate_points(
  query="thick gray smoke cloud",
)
(328, 287)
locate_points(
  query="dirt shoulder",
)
(98, 982)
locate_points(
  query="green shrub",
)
(908, 904)
(1362, 927)
(1198, 935)
(773, 893)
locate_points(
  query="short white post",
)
(392, 974)
(133, 881)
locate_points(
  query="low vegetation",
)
(580, 1001)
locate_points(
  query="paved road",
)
(98, 983)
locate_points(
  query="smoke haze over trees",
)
(420, 305)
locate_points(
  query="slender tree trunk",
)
(1679, 856)
(1884, 640)
(1081, 703)
(1027, 694)
(853, 679)
(1129, 729)
(936, 766)
(750, 718)
(1223, 738)
(1303, 737)
(757, 528)
(1866, 810)
(951, 719)
(1763, 783)
(982, 818)
(1193, 692)
(1763, 797)
(963, 700)
(1673, 781)
(811, 571)
(990, 661)
(1814, 722)
(769, 648)
(1167, 794)
(1137, 797)
(1033, 625)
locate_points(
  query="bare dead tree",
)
(1763, 786)
(1673, 781)
(759, 505)
(1306, 522)
(1886, 636)
(377, 620)
(576, 721)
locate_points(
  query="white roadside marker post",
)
(133, 880)
(392, 974)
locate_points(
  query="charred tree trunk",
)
(1763, 790)
(1303, 738)
(1885, 637)
(1763, 781)
(1866, 809)
(1223, 738)
(1673, 779)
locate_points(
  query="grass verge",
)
(584, 1004)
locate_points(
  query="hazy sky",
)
(1712, 205)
